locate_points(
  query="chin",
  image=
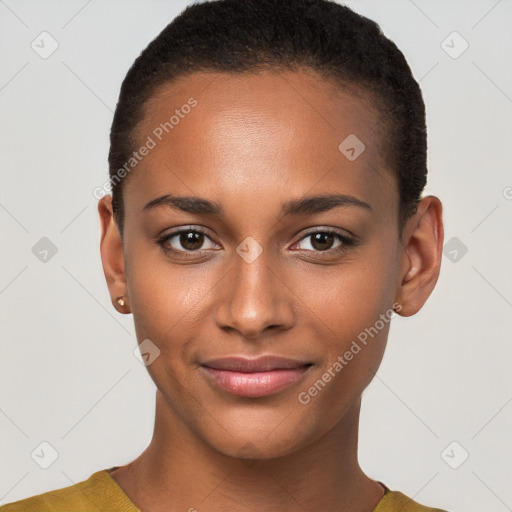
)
(265, 434)
(250, 449)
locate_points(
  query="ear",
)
(422, 248)
(112, 254)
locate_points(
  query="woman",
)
(265, 225)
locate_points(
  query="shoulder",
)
(84, 496)
(393, 501)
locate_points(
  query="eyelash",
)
(346, 241)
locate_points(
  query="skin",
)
(248, 135)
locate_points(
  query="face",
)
(269, 305)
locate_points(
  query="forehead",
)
(289, 132)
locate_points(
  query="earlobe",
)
(421, 256)
(112, 256)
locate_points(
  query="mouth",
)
(257, 377)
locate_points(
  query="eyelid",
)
(327, 229)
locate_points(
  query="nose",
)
(256, 298)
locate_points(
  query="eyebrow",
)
(303, 206)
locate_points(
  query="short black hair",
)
(236, 36)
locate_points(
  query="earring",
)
(120, 300)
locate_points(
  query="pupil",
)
(319, 241)
(191, 241)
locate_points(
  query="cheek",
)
(169, 302)
(165, 312)
(351, 297)
(353, 348)
(355, 314)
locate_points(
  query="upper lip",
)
(253, 365)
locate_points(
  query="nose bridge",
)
(254, 297)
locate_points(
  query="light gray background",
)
(67, 372)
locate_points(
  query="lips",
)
(258, 377)
(260, 364)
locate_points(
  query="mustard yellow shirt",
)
(101, 493)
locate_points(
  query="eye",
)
(190, 241)
(325, 240)
(186, 240)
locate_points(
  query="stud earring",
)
(120, 300)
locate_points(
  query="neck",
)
(179, 470)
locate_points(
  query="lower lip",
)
(256, 384)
